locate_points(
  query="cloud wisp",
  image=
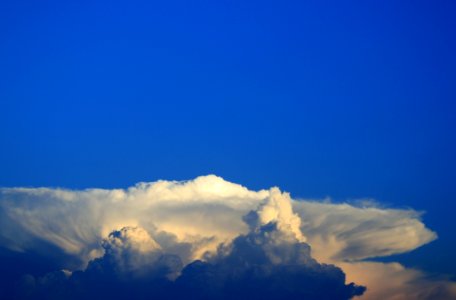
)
(209, 238)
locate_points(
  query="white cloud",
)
(192, 217)
(277, 208)
(355, 233)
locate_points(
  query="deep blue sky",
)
(348, 100)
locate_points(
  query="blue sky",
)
(348, 100)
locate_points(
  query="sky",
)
(346, 101)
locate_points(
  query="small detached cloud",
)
(207, 238)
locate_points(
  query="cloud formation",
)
(173, 233)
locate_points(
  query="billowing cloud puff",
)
(132, 252)
(176, 230)
(277, 209)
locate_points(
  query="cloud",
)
(75, 221)
(266, 263)
(201, 219)
(270, 262)
(394, 281)
(277, 209)
(355, 233)
(132, 252)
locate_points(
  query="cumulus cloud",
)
(277, 209)
(169, 231)
(270, 262)
(75, 221)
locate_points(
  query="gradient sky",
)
(348, 100)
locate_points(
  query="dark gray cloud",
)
(255, 266)
(245, 269)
